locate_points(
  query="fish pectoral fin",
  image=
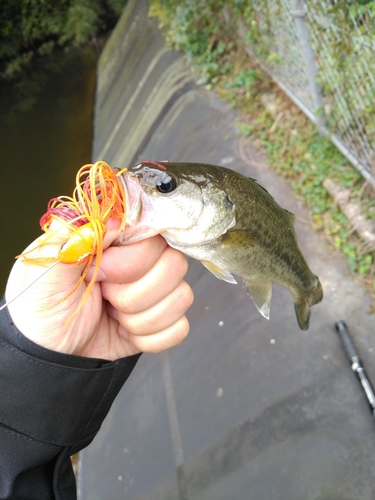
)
(238, 238)
(222, 274)
(261, 293)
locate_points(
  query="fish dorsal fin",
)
(261, 293)
(292, 217)
(222, 274)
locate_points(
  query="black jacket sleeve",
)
(51, 406)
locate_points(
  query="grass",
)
(294, 148)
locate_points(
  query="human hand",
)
(137, 304)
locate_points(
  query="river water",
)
(46, 131)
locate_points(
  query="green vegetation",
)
(204, 31)
(30, 27)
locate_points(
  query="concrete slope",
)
(245, 408)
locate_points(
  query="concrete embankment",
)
(245, 408)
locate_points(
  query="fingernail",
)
(101, 276)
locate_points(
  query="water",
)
(46, 131)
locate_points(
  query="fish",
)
(228, 222)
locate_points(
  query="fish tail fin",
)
(302, 305)
(303, 312)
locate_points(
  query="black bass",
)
(225, 220)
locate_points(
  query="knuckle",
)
(183, 330)
(183, 264)
(186, 294)
(178, 261)
(172, 336)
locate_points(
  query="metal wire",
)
(323, 55)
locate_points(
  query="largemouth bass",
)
(225, 220)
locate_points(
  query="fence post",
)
(298, 11)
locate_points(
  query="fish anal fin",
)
(222, 274)
(261, 293)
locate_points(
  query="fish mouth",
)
(149, 214)
(132, 195)
(133, 205)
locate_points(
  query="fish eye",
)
(167, 184)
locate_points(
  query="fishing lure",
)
(99, 194)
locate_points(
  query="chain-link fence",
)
(323, 56)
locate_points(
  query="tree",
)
(29, 27)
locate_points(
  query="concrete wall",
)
(139, 82)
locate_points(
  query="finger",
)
(162, 340)
(129, 263)
(160, 316)
(159, 282)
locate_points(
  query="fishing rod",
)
(356, 363)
